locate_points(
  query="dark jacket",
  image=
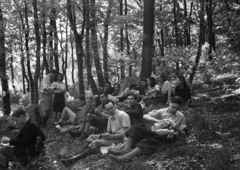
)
(136, 114)
(29, 141)
(184, 93)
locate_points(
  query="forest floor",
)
(212, 144)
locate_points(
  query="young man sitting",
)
(118, 124)
(134, 110)
(28, 143)
(98, 120)
(147, 141)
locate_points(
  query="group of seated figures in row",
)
(129, 118)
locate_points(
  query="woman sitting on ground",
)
(75, 118)
(183, 90)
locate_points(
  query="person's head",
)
(117, 87)
(101, 96)
(89, 98)
(109, 107)
(143, 83)
(182, 80)
(59, 77)
(52, 74)
(132, 86)
(131, 99)
(96, 100)
(163, 77)
(175, 104)
(151, 81)
(19, 116)
(108, 91)
(107, 85)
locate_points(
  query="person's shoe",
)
(119, 159)
(75, 133)
(67, 162)
(115, 151)
(83, 136)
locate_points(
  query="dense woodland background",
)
(93, 41)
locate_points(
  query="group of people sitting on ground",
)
(116, 115)
(115, 121)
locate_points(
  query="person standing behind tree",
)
(59, 90)
(46, 91)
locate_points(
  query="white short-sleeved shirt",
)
(178, 118)
(119, 122)
(151, 90)
(166, 87)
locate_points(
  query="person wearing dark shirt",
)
(134, 110)
(28, 143)
(183, 90)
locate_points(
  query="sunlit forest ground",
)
(212, 144)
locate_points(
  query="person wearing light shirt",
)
(46, 95)
(118, 123)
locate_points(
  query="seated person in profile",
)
(28, 143)
(134, 110)
(183, 90)
(75, 118)
(118, 124)
(107, 84)
(117, 88)
(98, 120)
(143, 87)
(143, 141)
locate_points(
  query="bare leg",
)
(69, 112)
(135, 152)
(129, 143)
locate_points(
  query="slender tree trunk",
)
(3, 75)
(211, 36)
(88, 58)
(28, 53)
(38, 44)
(94, 43)
(122, 67)
(127, 40)
(148, 32)
(73, 61)
(45, 63)
(55, 51)
(227, 7)
(105, 41)
(187, 37)
(66, 56)
(200, 42)
(78, 41)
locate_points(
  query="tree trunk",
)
(148, 32)
(122, 67)
(187, 37)
(55, 51)
(211, 36)
(3, 75)
(73, 61)
(45, 63)
(87, 57)
(105, 41)
(28, 53)
(127, 41)
(78, 41)
(65, 65)
(200, 43)
(95, 44)
(38, 44)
